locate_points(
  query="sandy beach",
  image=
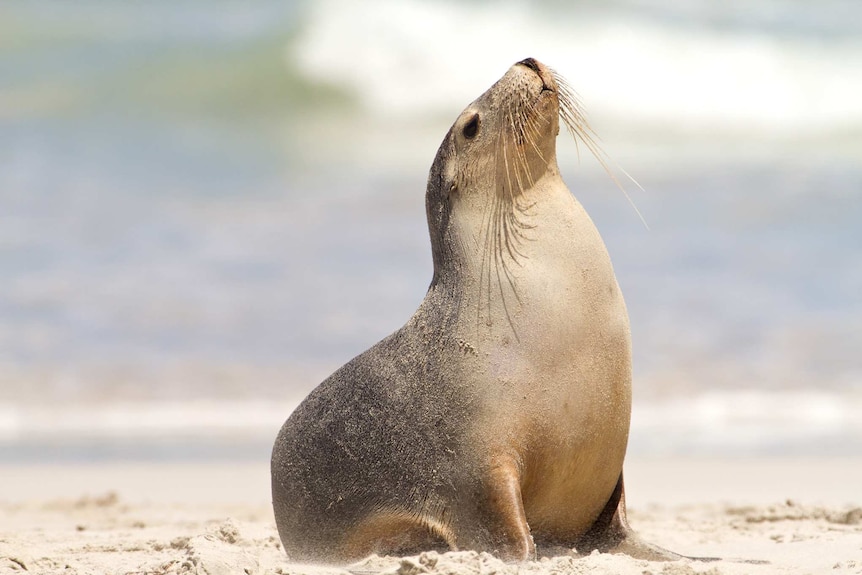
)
(801, 515)
(205, 212)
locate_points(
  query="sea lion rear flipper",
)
(611, 533)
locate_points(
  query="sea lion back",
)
(367, 452)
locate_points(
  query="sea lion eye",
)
(471, 128)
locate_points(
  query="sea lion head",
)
(496, 150)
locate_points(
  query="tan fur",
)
(497, 418)
(387, 530)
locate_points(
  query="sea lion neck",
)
(438, 210)
(483, 177)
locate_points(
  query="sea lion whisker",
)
(495, 238)
(538, 112)
(533, 128)
(523, 113)
(603, 160)
(499, 262)
(522, 119)
(573, 116)
(491, 251)
(492, 230)
(512, 198)
(507, 170)
(520, 170)
(503, 205)
(508, 273)
(513, 228)
(514, 128)
(511, 246)
(518, 225)
(522, 153)
(536, 149)
(485, 264)
(517, 128)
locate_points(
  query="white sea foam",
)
(730, 421)
(130, 420)
(749, 421)
(412, 56)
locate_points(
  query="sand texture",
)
(206, 519)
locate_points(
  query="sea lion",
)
(497, 418)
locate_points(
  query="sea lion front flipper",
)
(611, 533)
(502, 522)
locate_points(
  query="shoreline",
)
(664, 480)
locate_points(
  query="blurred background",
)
(207, 207)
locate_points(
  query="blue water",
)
(226, 201)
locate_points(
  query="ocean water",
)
(207, 207)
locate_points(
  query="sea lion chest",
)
(556, 365)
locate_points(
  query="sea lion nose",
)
(541, 72)
(531, 64)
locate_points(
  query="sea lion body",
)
(497, 418)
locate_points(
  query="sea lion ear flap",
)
(449, 175)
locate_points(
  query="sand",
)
(800, 515)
